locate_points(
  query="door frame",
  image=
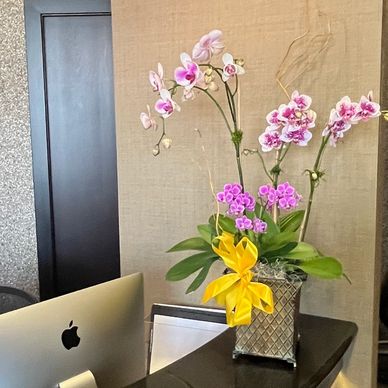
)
(35, 13)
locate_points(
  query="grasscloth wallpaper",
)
(18, 257)
(162, 199)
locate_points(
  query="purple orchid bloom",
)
(243, 223)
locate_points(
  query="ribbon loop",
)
(235, 290)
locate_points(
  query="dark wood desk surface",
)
(322, 344)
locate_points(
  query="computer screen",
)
(98, 329)
(179, 330)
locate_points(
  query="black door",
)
(69, 49)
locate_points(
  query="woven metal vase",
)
(273, 335)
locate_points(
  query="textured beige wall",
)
(162, 199)
(18, 255)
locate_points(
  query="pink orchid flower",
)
(209, 45)
(336, 126)
(367, 109)
(308, 119)
(147, 121)
(302, 101)
(288, 113)
(299, 136)
(334, 137)
(337, 123)
(230, 68)
(273, 118)
(346, 109)
(189, 74)
(165, 106)
(347, 113)
(270, 139)
(294, 119)
(156, 79)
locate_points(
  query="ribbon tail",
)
(243, 312)
(231, 300)
(261, 297)
(238, 307)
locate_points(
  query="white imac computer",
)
(91, 337)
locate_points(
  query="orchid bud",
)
(213, 86)
(156, 150)
(167, 143)
(246, 152)
(240, 62)
(314, 176)
(209, 71)
(209, 78)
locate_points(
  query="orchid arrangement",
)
(265, 229)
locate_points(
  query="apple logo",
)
(70, 337)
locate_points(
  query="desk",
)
(322, 345)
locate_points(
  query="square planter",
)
(273, 335)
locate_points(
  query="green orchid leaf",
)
(323, 267)
(291, 222)
(303, 251)
(271, 243)
(250, 215)
(199, 279)
(251, 236)
(258, 209)
(187, 266)
(282, 252)
(225, 223)
(194, 243)
(206, 231)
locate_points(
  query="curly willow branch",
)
(304, 50)
(210, 180)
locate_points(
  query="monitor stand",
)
(83, 380)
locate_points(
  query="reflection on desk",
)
(322, 345)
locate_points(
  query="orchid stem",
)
(284, 153)
(238, 112)
(236, 87)
(262, 161)
(232, 106)
(238, 159)
(229, 94)
(314, 176)
(234, 134)
(157, 145)
(218, 106)
(275, 174)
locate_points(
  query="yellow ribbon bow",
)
(235, 290)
